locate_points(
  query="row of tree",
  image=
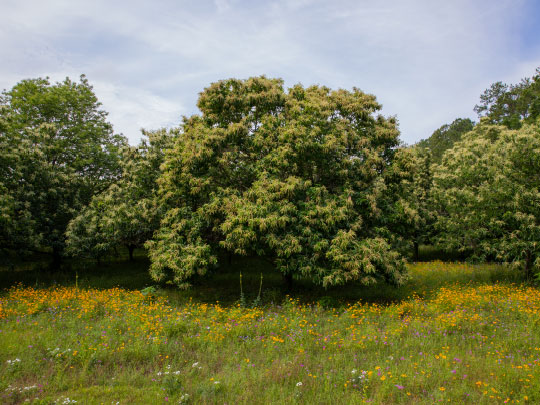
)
(312, 179)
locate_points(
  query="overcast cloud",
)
(426, 61)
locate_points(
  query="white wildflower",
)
(184, 399)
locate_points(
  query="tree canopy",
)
(445, 137)
(511, 105)
(293, 176)
(313, 180)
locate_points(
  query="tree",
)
(511, 105)
(63, 151)
(445, 137)
(136, 214)
(409, 214)
(295, 177)
(127, 213)
(488, 194)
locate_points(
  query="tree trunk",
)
(56, 259)
(416, 255)
(528, 265)
(131, 248)
(288, 280)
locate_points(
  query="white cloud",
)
(426, 61)
(131, 109)
(222, 5)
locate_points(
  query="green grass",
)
(223, 284)
(454, 333)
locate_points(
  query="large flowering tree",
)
(296, 176)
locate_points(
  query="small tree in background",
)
(511, 105)
(296, 177)
(445, 137)
(409, 214)
(488, 195)
(127, 213)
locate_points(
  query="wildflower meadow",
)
(458, 334)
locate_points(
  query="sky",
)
(426, 61)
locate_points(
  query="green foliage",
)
(511, 105)
(61, 151)
(87, 233)
(127, 213)
(488, 194)
(445, 137)
(410, 213)
(16, 225)
(296, 177)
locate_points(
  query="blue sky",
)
(426, 61)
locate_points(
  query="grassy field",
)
(454, 333)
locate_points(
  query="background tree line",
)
(313, 180)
